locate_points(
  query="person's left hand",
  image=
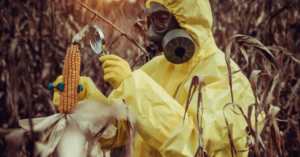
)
(115, 70)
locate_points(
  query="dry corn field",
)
(262, 36)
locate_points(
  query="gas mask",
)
(167, 36)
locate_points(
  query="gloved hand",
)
(115, 70)
(89, 92)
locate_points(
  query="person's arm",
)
(90, 92)
(160, 116)
(161, 122)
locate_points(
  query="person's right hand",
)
(115, 69)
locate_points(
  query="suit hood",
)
(195, 17)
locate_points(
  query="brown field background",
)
(35, 35)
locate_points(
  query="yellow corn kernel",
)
(70, 78)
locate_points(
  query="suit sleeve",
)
(90, 92)
(160, 116)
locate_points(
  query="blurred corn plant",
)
(34, 39)
(269, 97)
(69, 135)
(275, 24)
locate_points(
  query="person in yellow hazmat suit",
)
(157, 92)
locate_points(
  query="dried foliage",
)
(73, 134)
(197, 82)
(35, 35)
(275, 24)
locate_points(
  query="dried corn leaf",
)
(232, 147)
(253, 80)
(41, 150)
(244, 40)
(272, 128)
(197, 82)
(72, 143)
(131, 127)
(285, 51)
(77, 38)
(272, 91)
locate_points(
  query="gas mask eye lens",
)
(160, 20)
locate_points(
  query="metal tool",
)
(97, 40)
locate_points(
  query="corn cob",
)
(70, 79)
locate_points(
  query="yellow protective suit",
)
(157, 94)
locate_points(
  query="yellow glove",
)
(115, 70)
(90, 91)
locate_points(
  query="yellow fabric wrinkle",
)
(167, 78)
(166, 131)
(173, 145)
(179, 77)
